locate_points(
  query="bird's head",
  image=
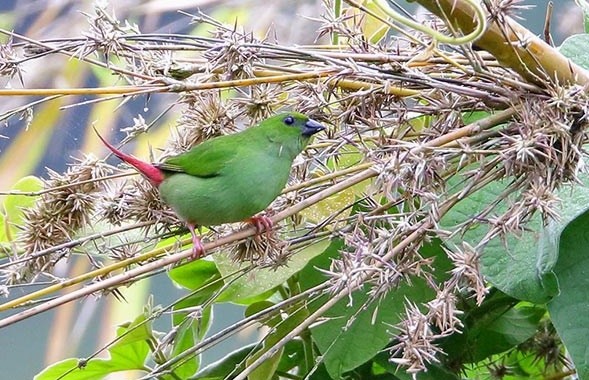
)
(295, 123)
(291, 130)
(307, 127)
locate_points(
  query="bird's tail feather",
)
(152, 173)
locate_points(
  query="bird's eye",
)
(289, 120)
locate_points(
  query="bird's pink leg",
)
(198, 249)
(262, 223)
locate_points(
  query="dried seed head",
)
(235, 56)
(106, 32)
(363, 106)
(124, 251)
(545, 143)
(546, 345)
(114, 203)
(265, 250)
(312, 99)
(499, 9)
(498, 371)
(415, 347)
(466, 274)
(9, 61)
(261, 101)
(205, 116)
(60, 213)
(410, 171)
(443, 312)
(145, 204)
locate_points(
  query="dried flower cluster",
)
(60, 214)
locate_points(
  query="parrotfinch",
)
(229, 178)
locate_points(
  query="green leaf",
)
(364, 324)
(338, 204)
(202, 277)
(194, 274)
(128, 353)
(513, 327)
(309, 275)
(136, 331)
(569, 310)
(14, 205)
(256, 307)
(267, 369)
(95, 369)
(4, 232)
(191, 330)
(226, 367)
(493, 328)
(519, 265)
(293, 355)
(575, 48)
(244, 289)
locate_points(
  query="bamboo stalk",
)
(512, 44)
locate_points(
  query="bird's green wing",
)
(206, 159)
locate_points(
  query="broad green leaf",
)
(260, 281)
(513, 327)
(183, 341)
(292, 357)
(95, 369)
(520, 365)
(194, 274)
(434, 372)
(270, 321)
(136, 331)
(310, 276)
(494, 327)
(191, 329)
(14, 205)
(569, 310)
(267, 369)
(575, 48)
(201, 322)
(357, 328)
(519, 265)
(4, 232)
(226, 367)
(131, 351)
(128, 353)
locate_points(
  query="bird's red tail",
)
(153, 174)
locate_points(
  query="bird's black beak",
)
(312, 127)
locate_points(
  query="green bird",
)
(229, 178)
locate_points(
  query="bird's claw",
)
(198, 250)
(262, 223)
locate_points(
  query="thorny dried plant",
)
(408, 193)
(60, 214)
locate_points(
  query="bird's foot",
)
(262, 224)
(198, 250)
